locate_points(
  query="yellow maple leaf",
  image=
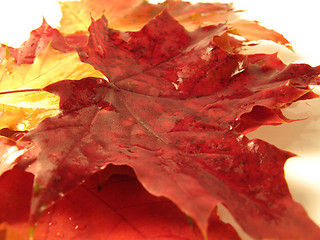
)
(132, 15)
(76, 15)
(24, 110)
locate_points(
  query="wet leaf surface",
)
(119, 208)
(171, 114)
(171, 101)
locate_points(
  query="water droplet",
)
(239, 139)
(80, 227)
(42, 208)
(52, 223)
(100, 50)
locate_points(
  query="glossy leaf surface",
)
(172, 101)
(169, 110)
(133, 15)
(118, 208)
(39, 40)
(24, 110)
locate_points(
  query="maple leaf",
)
(109, 204)
(135, 14)
(252, 31)
(76, 15)
(15, 189)
(170, 110)
(24, 110)
(118, 209)
(38, 41)
(15, 192)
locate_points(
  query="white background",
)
(298, 21)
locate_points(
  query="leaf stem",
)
(21, 90)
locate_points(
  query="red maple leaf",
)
(120, 208)
(172, 108)
(39, 39)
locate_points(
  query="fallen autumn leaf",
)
(173, 105)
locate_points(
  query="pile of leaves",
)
(130, 122)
